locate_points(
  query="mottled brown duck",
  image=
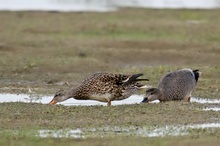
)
(103, 87)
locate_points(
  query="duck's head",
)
(152, 94)
(60, 96)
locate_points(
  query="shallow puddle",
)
(179, 130)
(212, 109)
(127, 131)
(77, 133)
(204, 100)
(134, 99)
(24, 98)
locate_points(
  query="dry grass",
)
(19, 115)
(43, 42)
(42, 50)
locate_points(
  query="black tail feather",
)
(196, 74)
(141, 80)
(135, 76)
(133, 79)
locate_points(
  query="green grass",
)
(132, 141)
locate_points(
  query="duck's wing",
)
(167, 80)
(179, 78)
(103, 82)
(117, 79)
(107, 82)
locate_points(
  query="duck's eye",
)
(58, 94)
(151, 93)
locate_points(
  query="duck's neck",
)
(160, 95)
(71, 93)
(74, 93)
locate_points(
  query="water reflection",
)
(103, 5)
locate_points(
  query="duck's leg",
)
(188, 99)
(109, 103)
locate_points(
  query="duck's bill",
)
(145, 100)
(53, 102)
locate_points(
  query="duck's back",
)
(101, 83)
(177, 85)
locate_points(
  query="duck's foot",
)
(109, 103)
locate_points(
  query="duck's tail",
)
(134, 78)
(197, 74)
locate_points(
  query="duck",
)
(103, 87)
(176, 85)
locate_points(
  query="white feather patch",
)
(145, 86)
(126, 80)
